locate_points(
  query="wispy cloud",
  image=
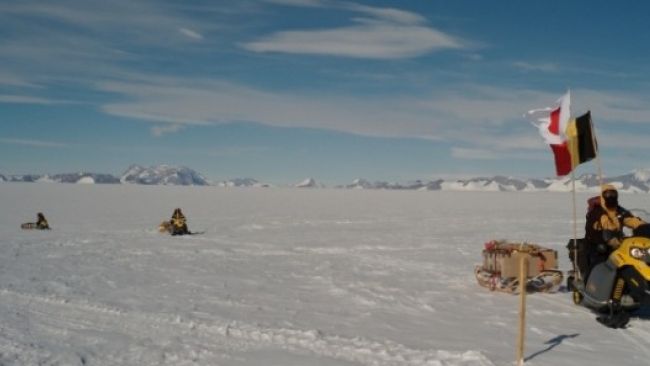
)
(16, 80)
(543, 66)
(165, 129)
(74, 40)
(475, 154)
(479, 117)
(190, 33)
(476, 116)
(33, 143)
(185, 102)
(381, 33)
(24, 99)
(309, 3)
(387, 14)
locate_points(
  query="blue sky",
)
(280, 90)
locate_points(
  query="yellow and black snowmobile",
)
(616, 286)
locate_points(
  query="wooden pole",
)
(523, 276)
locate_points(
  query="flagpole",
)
(575, 210)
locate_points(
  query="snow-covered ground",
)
(284, 277)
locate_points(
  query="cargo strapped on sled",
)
(500, 268)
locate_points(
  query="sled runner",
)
(500, 268)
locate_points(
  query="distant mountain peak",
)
(163, 175)
(308, 183)
(637, 181)
(241, 182)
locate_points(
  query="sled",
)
(32, 226)
(165, 227)
(501, 263)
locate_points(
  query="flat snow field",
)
(285, 277)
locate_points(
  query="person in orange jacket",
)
(41, 223)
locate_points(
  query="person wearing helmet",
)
(605, 223)
(41, 223)
(179, 223)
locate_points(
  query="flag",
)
(552, 123)
(581, 141)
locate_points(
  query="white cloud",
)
(369, 40)
(34, 143)
(478, 117)
(384, 33)
(190, 33)
(202, 102)
(388, 14)
(612, 106)
(24, 99)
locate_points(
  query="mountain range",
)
(635, 182)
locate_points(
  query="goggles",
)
(610, 194)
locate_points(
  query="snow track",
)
(77, 323)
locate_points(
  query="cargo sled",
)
(501, 263)
(165, 227)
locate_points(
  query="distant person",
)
(40, 224)
(179, 223)
(605, 223)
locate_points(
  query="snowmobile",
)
(167, 227)
(617, 286)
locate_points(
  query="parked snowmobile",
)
(617, 286)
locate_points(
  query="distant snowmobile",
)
(617, 286)
(40, 224)
(167, 227)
